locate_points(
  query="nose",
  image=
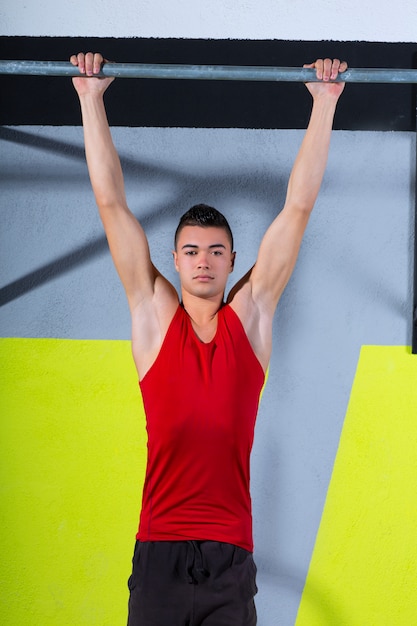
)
(203, 260)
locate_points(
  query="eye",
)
(191, 252)
(217, 252)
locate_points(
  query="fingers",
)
(328, 69)
(89, 63)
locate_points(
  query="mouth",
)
(203, 278)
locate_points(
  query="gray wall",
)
(351, 286)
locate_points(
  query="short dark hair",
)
(205, 216)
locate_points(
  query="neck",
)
(201, 310)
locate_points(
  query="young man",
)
(201, 365)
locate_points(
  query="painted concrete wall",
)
(247, 19)
(351, 286)
(367, 199)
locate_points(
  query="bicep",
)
(130, 251)
(277, 255)
(255, 296)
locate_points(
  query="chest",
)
(202, 382)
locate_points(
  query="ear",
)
(232, 262)
(175, 257)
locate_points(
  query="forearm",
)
(102, 159)
(310, 164)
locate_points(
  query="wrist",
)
(325, 101)
(91, 96)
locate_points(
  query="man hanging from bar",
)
(201, 361)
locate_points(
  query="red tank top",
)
(201, 401)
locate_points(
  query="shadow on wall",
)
(319, 596)
(263, 192)
(279, 572)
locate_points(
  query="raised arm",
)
(127, 240)
(256, 296)
(152, 299)
(280, 246)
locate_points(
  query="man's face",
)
(204, 260)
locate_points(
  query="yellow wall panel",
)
(364, 565)
(73, 453)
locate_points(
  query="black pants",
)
(191, 583)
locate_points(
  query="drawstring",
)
(194, 568)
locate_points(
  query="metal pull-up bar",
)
(208, 72)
